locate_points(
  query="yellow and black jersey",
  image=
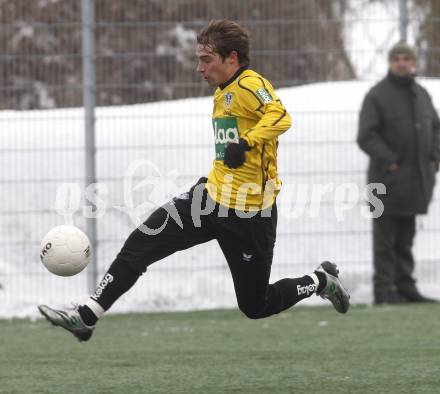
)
(247, 107)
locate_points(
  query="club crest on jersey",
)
(228, 99)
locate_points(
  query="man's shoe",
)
(414, 296)
(389, 297)
(70, 320)
(333, 290)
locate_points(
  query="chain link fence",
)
(151, 107)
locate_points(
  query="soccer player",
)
(234, 205)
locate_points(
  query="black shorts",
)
(242, 239)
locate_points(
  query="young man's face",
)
(213, 68)
(402, 65)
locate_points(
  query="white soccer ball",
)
(65, 250)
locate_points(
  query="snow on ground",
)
(170, 144)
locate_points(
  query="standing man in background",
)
(399, 130)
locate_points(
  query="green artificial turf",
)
(389, 349)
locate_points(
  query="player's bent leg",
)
(141, 249)
(138, 252)
(250, 267)
(258, 299)
(278, 297)
(250, 272)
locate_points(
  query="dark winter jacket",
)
(398, 124)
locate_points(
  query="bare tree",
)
(428, 38)
(145, 48)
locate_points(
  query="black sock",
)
(293, 290)
(87, 315)
(119, 278)
(322, 281)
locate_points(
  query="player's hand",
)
(234, 153)
(435, 165)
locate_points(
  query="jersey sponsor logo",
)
(225, 130)
(228, 99)
(264, 95)
(309, 289)
(108, 278)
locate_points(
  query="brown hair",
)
(225, 36)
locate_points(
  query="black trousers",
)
(247, 244)
(392, 248)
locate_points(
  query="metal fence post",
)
(89, 101)
(403, 19)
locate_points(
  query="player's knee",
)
(251, 311)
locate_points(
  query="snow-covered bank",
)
(43, 149)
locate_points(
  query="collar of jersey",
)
(233, 78)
